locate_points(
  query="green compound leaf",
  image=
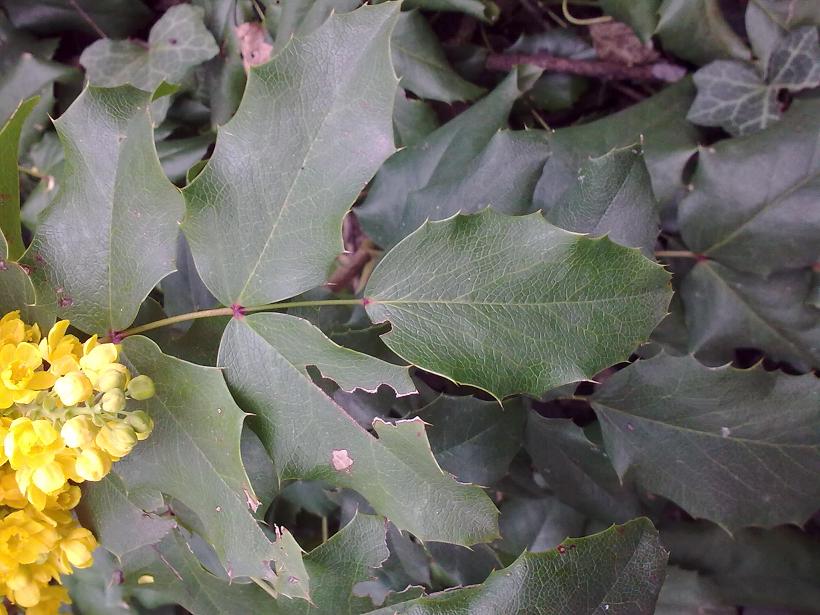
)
(578, 470)
(123, 521)
(619, 571)
(486, 10)
(89, 256)
(310, 437)
(726, 309)
(10, 230)
(178, 41)
(421, 64)
(738, 447)
(264, 214)
(514, 304)
(759, 190)
(465, 165)
(194, 456)
(735, 95)
(613, 196)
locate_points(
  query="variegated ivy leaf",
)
(738, 97)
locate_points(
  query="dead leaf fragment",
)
(617, 42)
(340, 460)
(253, 47)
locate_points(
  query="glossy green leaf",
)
(759, 190)
(300, 17)
(179, 155)
(177, 42)
(421, 64)
(413, 120)
(514, 304)
(787, 15)
(686, 593)
(537, 524)
(659, 123)
(474, 440)
(449, 170)
(486, 10)
(264, 358)
(193, 455)
(123, 521)
(118, 18)
(10, 180)
(738, 447)
(91, 589)
(613, 196)
(684, 21)
(754, 567)
(618, 571)
(264, 214)
(90, 248)
(577, 470)
(726, 310)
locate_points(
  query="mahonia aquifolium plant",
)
(63, 420)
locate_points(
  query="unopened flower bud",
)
(73, 388)
(141, 388)
(117, 439)
(142, 424)
(113, 378)
(113, 401)
(93, 464)
(79, 432)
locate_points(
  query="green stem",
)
(581, 22)
(230, 311)
(676, 254)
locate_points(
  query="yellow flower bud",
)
(115, 377)
(79, 432)
(113, 401)
(77, 547)
(73, 388)
(142, 424)
(117, 439)
(145, 579)
(99, 357)
(93, 464)
(141, 388)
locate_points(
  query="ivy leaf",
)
(683, 21)
(791, 14)
(264, 214)
(123, 521)
(759, 190)
(485, 10)
(613, 196)
(472, 439)
(514, 304)
(265, 368)
(465, 165)
(568, 579)
(178, 41)
(10, 230)
(577, 470)
(421, 64)
(194, 456)
(734, 95)
(726, 309)
(738, 447)
(90, 246)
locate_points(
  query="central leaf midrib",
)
(375, 301)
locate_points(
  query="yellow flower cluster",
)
(63, 421)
